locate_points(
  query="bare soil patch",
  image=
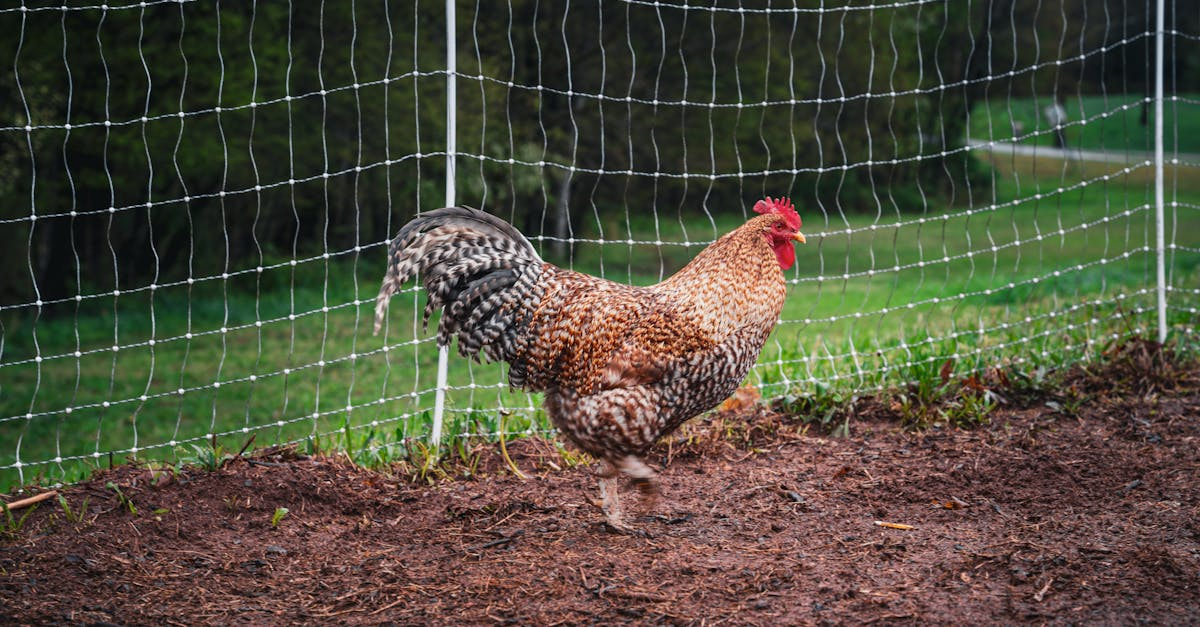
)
(1040, 517)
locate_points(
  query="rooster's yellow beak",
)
(799, 237)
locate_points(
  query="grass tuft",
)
(13, 523)
(122, 499)
(75, 516)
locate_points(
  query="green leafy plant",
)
(12, 523)
(468, 457)
(825, 406)
(571, 457)
(278, 516)
(162, 473)
(212, 457)
(1026, 386)
(122, 499)
(72, 515)
(424, 459)
(970, 408)
(929, 381)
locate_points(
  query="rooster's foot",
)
(620, 528)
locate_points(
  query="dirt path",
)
(1038, 517)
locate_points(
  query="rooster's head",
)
(783, 231)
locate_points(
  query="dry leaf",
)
(947, 370)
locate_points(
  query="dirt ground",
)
(1038, 517)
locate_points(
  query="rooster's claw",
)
(625, 530)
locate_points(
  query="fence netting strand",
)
(197, 196)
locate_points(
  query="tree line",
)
(184, 140)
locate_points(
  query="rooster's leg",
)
(610, 502)
(643, 477)
(610, 498)
(610, 473)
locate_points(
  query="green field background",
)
(1041, 267)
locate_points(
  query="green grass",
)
(1112, 122)
(372, 395)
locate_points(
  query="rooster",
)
(621, 366)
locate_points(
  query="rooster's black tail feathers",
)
(479, 269)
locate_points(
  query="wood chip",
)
(892, 525)
(1041, 594)
(953, 503)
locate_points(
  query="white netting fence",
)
(196, 196)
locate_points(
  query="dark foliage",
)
(229, 136)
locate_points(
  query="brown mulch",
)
(1037, 517)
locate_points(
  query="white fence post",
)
(439, 402)
(1159, 201)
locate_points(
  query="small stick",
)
(892, 525)
(488, 545)
(37, 498)
(255, 462)
(246, 445)
(388, 606)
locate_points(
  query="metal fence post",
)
(439, 402)
(1159, 200)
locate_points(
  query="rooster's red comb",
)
(781, 206)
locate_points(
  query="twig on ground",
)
(245, 446)
(892, 525)
(255, 462)
(388, 606)
(32, 500)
